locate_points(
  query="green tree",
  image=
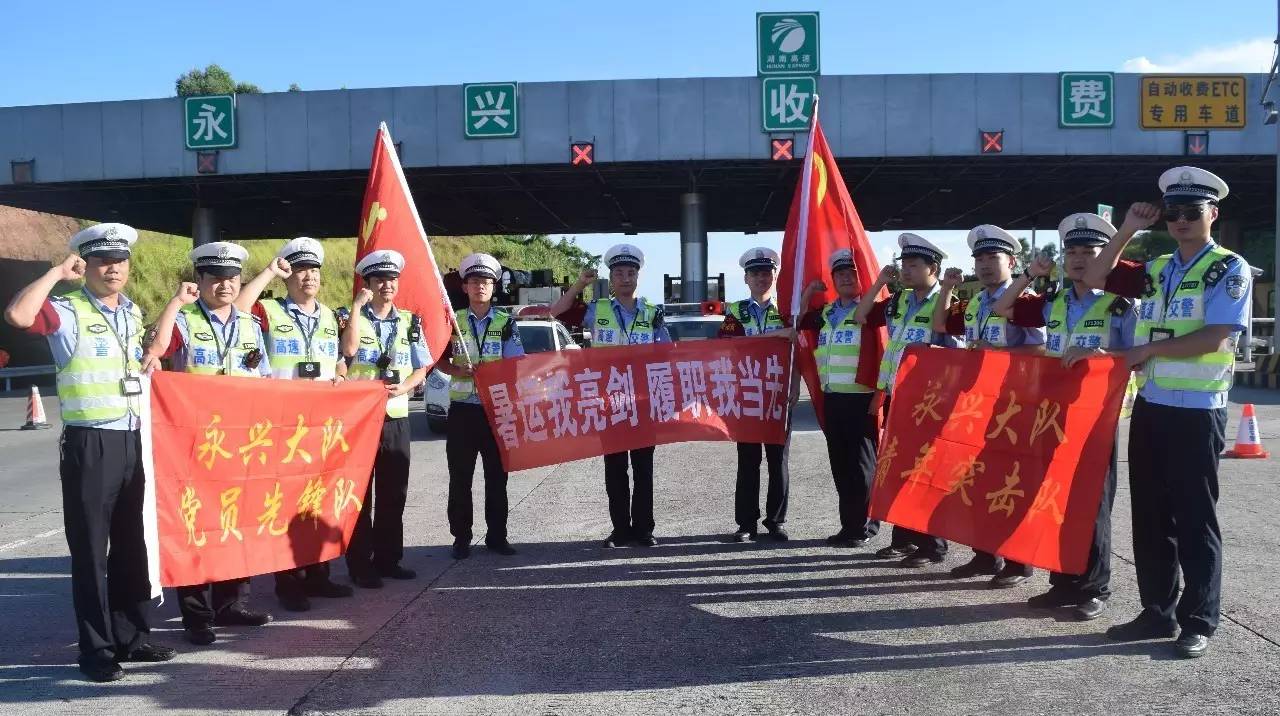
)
(211, 80)
(1147, 245)
(295, 87)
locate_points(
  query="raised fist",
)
(71, 268)
(587, 276)
(1140, 215)
(1042, 265)
(951, 278)
(888, 274)
(281, 268)
(188, 293)
(363, 297)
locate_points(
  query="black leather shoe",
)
(329, 590)
(503, 548)
(1011, 576)
(742, 536)
(1146, 626)
(1089, 609)
(778, 534)
(919, 560)
(615, 539)
(395, 571)
(1054, 599)
(147, 653)
(367, 581)
(978, 566)
(646, 541)
(201, 636)
(461, 549)
(296, 604)
(242, 617)
(840, 539)
(1191, 646)
(102, 670)
(896, 551)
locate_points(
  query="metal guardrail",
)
(24, 371)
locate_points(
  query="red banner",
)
(1000, 451)
(256, 475)
(389, 220)
(549, 408)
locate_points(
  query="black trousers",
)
(851, 446)
(901, 537)
(102, 488)
(631, 513)
(1173, 478)
(469, 435)
(1096, 580)
(203, 603)
(378, 539)
(746, 494)
(295, 583)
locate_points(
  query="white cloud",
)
(1246, 56)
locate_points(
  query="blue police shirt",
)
(1220, 309)
(229, 333)
(1017, 335)
(62, 342)
(511, 348)
(626, 318)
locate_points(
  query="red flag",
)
(822, 221)
(389, 220)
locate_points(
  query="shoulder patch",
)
(1236, 286)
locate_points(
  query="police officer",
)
(849, 424)
(752, 317)
(1081, 322)
(95, 336)
(908, 314)
(1195, 304)
(994, 254)
(623, 320)
(203, 333)
(302, 344)
(483, 334)
(384, 343)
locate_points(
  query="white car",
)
(691, 321)
(538, 334)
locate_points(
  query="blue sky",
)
(78, 51)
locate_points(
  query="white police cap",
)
(386, 263)
(759, 257)
(108, 241)
(1085, 229)
(841, 259)
(920, 247)
(479, 265)
(220, 258)
(1190, 185)
(303, 252)
(623, 255)
(989, 237)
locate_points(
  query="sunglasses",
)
(1189, 212)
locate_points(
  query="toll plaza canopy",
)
(922, 151)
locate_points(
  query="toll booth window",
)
(536, 338)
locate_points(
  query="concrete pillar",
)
(204, 226)
(693, 247)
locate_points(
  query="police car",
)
(539, 333)
(693, 321)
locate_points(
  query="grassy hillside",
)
(160, 262)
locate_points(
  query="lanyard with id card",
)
(1172, 285)
(309, 368)
(131, 383)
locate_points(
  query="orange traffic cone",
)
(35, 412)
(1248, 444)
